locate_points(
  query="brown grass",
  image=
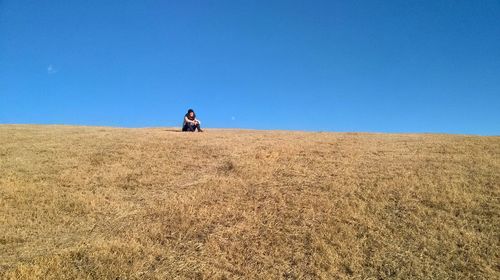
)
(108, 203)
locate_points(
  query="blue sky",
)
(375, 66)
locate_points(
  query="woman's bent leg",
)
(198, 127)
(189, 128)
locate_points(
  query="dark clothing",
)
(191, 127)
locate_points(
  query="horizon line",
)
(252, 129)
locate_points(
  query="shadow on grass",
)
(173, 130)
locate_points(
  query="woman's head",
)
(191, 113)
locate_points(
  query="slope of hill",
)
(109, 203)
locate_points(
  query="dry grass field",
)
(112, 203)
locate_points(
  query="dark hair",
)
(191, 111)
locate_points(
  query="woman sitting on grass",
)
(190, 122)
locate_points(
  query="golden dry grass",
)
(109, 203)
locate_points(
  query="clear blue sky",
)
(385, 66)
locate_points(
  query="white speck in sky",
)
(51, 69)
(233, 118)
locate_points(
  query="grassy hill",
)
(110, 203)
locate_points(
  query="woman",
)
(190, 122)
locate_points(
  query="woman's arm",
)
(188, 120)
